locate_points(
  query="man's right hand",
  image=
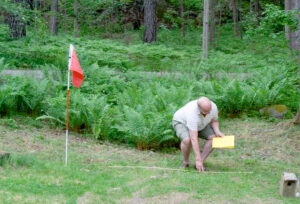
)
(199, 166)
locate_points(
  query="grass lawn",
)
(250, 173)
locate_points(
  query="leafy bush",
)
(11, 123)
(146, 115)
(22, 95)
(272, 22)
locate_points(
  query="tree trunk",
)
(17, 26)
(35, 16)
(297, 120)
(75, 19)
(256, 6)
(53, 17)
(250, 6)
(111, 29)
(240, 18)
(235, 18)
(212, 25)
(220, 22)
(182, 24)
(65, 16)
(187, 22)
(137, 20)
(286, 27)
(290, 35)
(205, 29)
(150, 21)
(256, 10)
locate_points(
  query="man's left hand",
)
(215, 126)
(219, 134)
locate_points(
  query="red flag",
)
(77, 74)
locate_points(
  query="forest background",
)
(144, 59)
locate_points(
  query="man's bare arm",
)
(196, 149)
(216, 127)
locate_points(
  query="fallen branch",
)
(172, 169)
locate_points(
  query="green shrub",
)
(22, 95)
(272, 22)
(25, 160)
(11, 123)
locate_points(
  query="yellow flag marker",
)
(223, 142)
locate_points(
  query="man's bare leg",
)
(207, 149)
(185, 147)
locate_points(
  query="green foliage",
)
(3, 65)
(171, 18)
(131, 91)
(21, 95)
(33, 51)
(147, 114)
(8, 122)
(273, 21)
(19, 9)
(25, 160)
(85, 113)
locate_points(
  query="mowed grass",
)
(249, 173)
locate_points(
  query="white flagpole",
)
(67, 121)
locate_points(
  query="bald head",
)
(204, 104)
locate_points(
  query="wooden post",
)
(288, 184)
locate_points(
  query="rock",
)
(275, 111)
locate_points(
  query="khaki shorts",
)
(182, 131)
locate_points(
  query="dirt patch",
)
(8, 197)
(283, 140)
(174, 198)
(84, 198)
(252, 136)
(89, 197)
(265, 140)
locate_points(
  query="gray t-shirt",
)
(190, 116)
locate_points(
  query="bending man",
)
(197, 118)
